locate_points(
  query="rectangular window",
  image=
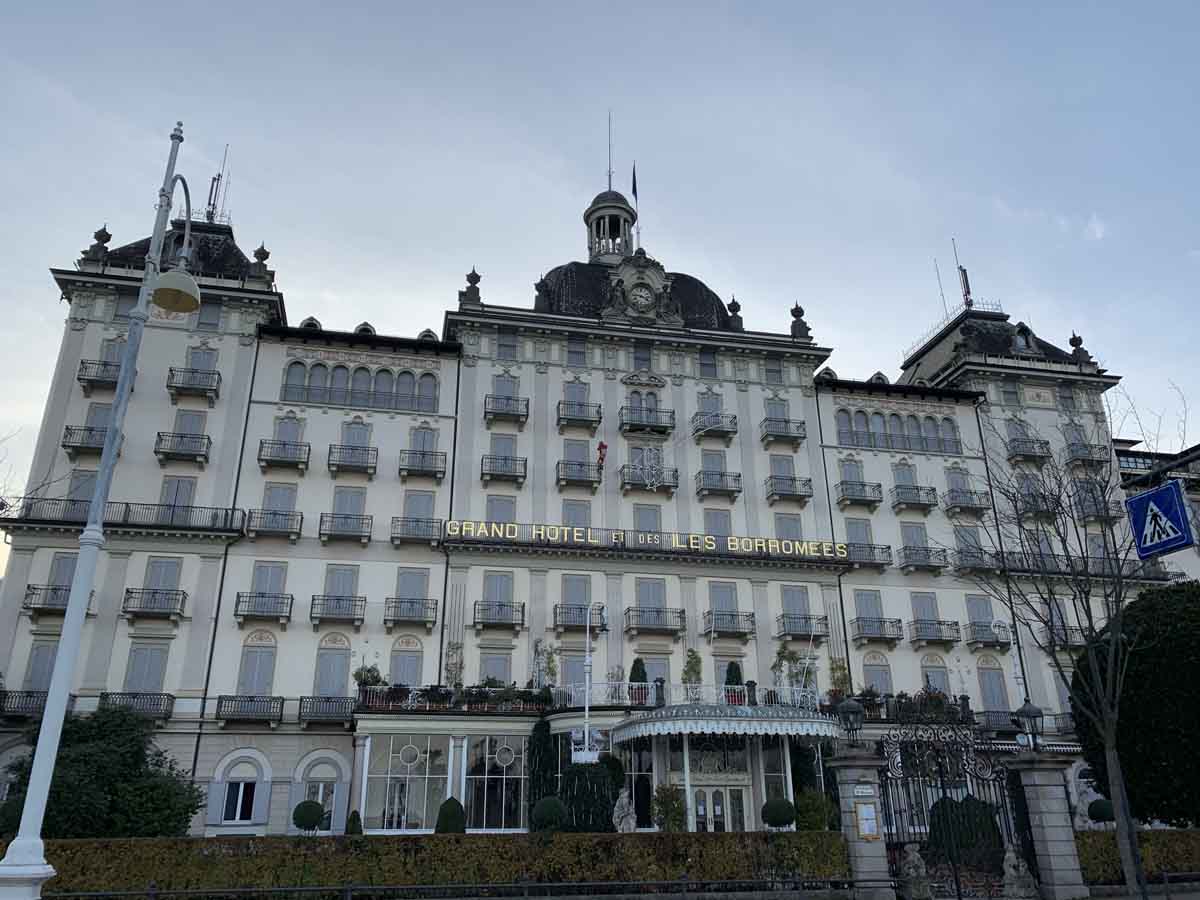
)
(851, 469)
(782, 466)
(572, 669)
(1010, 393)
(496, 775)
(209, 318)
(773, 370)
(643, 358)
(708, 364)
(498, 587)
(202, 358)
(112, 349)
(412, 584)
(966, 537)
(656, 668)
(98, 415)
(650, 592)
(956, 480)
(709, 403)
(924, 605)
(868, 604)
(62, 569)
(575, 451)
(269, 577)
(406, 667)
(189, 421)
(504, 445)
(349, 501)
(162, 573)
(575, 393)
(994, 690)
(878, 678)
(418, 504)
(787, 526)
(506, 345)
(257, 674)
(40, 666)
(904, 475)
(858, 531)
(777, 409)
(577, 513)
(718, 522)
(333, 672)
(979, 608)
(913, 534)
(712, 460)
(322, 793)
(239, 801)
(576, 590)
(1066, 398)
(795, 599)
(647, 517)
(125, 305)
(146, 667)
(341, 581)
(495, 667)
(722, 596)
(576, 352)
(176, 491)
(279, 497)
(501, 508)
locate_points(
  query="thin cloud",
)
(1096, 228)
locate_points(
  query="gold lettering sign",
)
(542, 535)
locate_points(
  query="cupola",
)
(609, 220)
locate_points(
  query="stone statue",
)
(913, 883)
(624, 817)
(1018, 881)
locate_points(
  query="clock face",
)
(641, 298)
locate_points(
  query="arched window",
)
(427, 392)
(651, 400)
(635, 399)
(406, 391)
(843, 427)
(364, 328)
(878, 430)
(333, 667)
(385, 387)
(862, 433)
(318, 384)
(877, 674)
(407, 662)
(934, 674)
(339, 386)
(993, 692)
(356, 433)
(930, 427)
(912, 428)
(293, 382)
(288, 429)
(424, 440)
(360, 387)
(310, 322)
(896, 431)
(950, 442)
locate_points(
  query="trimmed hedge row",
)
(1162, 851)
(205, 863)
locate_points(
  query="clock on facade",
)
(641, 298)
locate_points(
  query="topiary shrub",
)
(733, 674)
(542, 756)
(451, 818)
(307, 815)
(616, 771)
(549, 815)
(589, 795)
(354, 823)
(1101, 811)
(813, 811)
(778, 812)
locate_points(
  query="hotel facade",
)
(623, 465)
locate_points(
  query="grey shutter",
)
(341, 581)
(177, 491)
(333, 672)
(406, 667)
(956, 480)
(937, 679)
(215, 813)
(650, 593)
(574, 392)
(82, 485)
(189, 421)
(41, 666)
(880, 677)
(412, 584)
(979, 608)
(788, 525)
(504, 445)
(280, 497)
(924, 605)
(287, 429)
(575, 451)
(712, 460)
(349, 501)
(198, 358)
(146, 669)
(258, 671)
(852, 470)
(269, 578)
(777, 409)
(418, 505)
(261, 812)
(795, 600)
(98, 415)
(904, 475)
(356, 434)
(341, 807)
(62, 568)
(858, 531)
(782, 466)
(647, 518)
(993, 689)
(163, 574)
(868, 604)
(966, 537)
(913, 534)
(424, 440)
(722, 597)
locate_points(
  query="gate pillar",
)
(862, 822)
(1050, 823)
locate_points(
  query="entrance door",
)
(720, 807)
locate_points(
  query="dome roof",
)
(609, 197)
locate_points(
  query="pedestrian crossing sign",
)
(1160, 520)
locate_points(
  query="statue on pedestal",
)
(1018, 881)
(913, 883)
(624, 817)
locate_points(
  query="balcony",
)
(83, 440)
(798, 627)
(42, 513)
(283, 455)
(153, 706)
(1063, 637)
(345, 527)
(975, 559)
(718, 484)
(422, 463)
(409, 611)
(46, 598)
(959, 502)
(788, 487)
(988, 636)
(352, 458)
(865, 631)
(783, 431)
(911, 496)
(492, 614)
(868, 494)
(249, 708)
(933, 633)
(634, 478)
(153, 603)
(320, 395)
(640, 420)
(1087, 455)
(1035, 505)
(408, 530)
(714, 424)
(996, 720)
(869, 555)
(326, 711)
(170, 445)
(274, 523)
(728, 623)
(569, 472)
(578, 415)
(503, 468)
(577, 617)
(343, 608)
(262, 606)
(22, 704)
(1097, 509)
(923, 559)
(1061, 723)
(204, 383)
(97, 375)
(1030, 450)
(654, 620)
(499, 408)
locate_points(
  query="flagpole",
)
(636, 213)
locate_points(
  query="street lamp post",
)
(588, 755)
(24, 868)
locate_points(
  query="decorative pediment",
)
(644, 379)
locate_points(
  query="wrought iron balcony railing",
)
(635, 477)
(928, 558)
(405, 610)
(192, 447)
(283, 454)
(152, 705)
(409, 530)
(353, 458)
(911, 496)
(869, 554)
(337, 608)
(1063, 637)
(491, 613)
(1098, 509)
(151, 603)
(994, 635)
(711, 482)
(1035, 504)
(274, 522)
(714, 424)
(46, 597)
(503, 468)
(431, 463)
(500, 406)
(996, 720)
(22, 704)
(918, 443)
(577, 617)
(568, 471)
(654, 619)
(330, 396)
(934, 631)
(97, 374)
(263, 605)
(788, 431)
(975, 559)
(574, 414)
(959, 501)
(1087, 454)
(194, 382)
(640, 418)
(338, 710)
(787, 487)
(250, 708)
(44, 512)
(870, 629)
(345, 527)
(858, 493)
(720, 621)
(801, 627)
(80, 440)
(1028, 450)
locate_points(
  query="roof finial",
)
(610, 168)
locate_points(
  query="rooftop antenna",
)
(610, 168)
(962, 278)
(945, 308)
(636, 216)
(225, 184)
(214, 191)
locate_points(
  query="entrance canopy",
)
(705, 718)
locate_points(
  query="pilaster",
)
(862, 823)
(1042, 779)
(202, 611)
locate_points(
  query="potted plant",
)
(693, 667)
(733, 683)
(639, 689)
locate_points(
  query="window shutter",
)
(41, 666)
(216, 803)
(795, 600)
(924, 606)
(341, 807)
(979, 608)
(868, 604)
(262, 803)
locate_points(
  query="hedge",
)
(272, 862)
(1162, 851)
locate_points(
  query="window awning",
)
(704, 718)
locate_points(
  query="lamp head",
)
(850, 711)
(1030, 718)
(176, 291)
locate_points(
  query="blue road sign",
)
(1159, 520)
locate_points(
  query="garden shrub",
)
(589, 795)
(1101, 811)
(549, 814)
(451, 818)
(354, 823)
(1162, 851)
(813, 811)
(778, 812)
(668, 810)
(307, 815)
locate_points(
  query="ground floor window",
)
(321, 792)
(239, 801)
(406, 781)
(496, 782)
(774, 767)
(638, 759)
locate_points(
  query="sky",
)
(789, 152)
